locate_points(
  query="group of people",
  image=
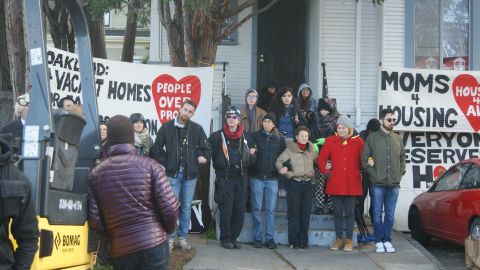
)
(287, 144)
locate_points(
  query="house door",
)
(281, 44)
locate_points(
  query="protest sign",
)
(124, 88)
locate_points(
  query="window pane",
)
(427, 34)
(456, 34)
(452, 178)
(472, 178)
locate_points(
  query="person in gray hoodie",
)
(306, 102)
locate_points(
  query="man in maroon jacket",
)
(131, 202)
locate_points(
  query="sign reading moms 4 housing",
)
(431, 100)
(123, 88)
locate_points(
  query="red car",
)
(450, 209)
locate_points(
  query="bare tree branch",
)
(234, 27)
(239, 8)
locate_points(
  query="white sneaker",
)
(379, 247)
(184, 245)
(388, 247)
(170, 244)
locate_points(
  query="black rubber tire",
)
(417, 229)
(475, 223)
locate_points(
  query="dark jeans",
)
(299, 200)
(232, 198)
(343, 215)
(147, 259)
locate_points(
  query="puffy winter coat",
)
(301, 162)
(345, 158)
(131, 201)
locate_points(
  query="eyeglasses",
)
(232, 116)
(22, 101)
(252, 96)
(390, 119)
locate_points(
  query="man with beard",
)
(181, 146)
(383, 158)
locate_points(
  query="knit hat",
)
(232, 110)
(344, 120)
(272, 117)
(135, 117)
(250, 91)
(120, 130)
(323, 105)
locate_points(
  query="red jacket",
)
(345, 158)
(131, 201)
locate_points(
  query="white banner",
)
(431, 100)
(428, 154)
(157, 92)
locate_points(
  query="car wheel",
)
(417, 229)
(475, 229)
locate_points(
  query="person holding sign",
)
(233, 153)
(383, 158)
(181, 146)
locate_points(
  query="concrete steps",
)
(321, 233)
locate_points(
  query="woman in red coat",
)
(340, 157)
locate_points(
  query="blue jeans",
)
(184, 191)
(384, 200)
(270, 189)
(147, 259)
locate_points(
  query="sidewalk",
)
(210, 256)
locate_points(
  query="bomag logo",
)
(68, 240)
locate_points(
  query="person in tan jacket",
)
(252, 116)
(296, 163)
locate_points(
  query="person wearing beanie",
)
(251, 114)
(341, 158)
(264, 180)
(300, 157)
(143, 140)
(233, 151)
(131, 201)
(307, 103)
(322, 127)
(181, 147)
(266, 96)
(373, 125)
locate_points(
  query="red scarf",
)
(302, 147)
(233, 135)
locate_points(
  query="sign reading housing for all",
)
(123, 88)
(438, 114)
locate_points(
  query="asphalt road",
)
(450, 256)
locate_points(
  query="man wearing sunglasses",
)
(13, 131)
(233, 152)
(383, 158)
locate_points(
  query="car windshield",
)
(452, 178)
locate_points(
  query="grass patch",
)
(209, 234)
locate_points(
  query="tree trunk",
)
(6, 95)
(96, 29)
(61, 30)
(130, 31)
(17, 47)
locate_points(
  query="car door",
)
(465, 205)
(447, 201)
(437, 200)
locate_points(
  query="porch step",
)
(321, 233)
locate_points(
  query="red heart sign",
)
(466, 91)
(169, 94)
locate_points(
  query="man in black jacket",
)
(233, 153)
(181, 146)
(16, 207)
(14, 129)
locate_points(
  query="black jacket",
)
(16, 206)
(269, 147)
(220, 162)
(165, 149)
(14, 132)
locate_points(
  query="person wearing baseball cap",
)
(233, 151)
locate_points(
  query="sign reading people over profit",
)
(431, 100)
(157, 92)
